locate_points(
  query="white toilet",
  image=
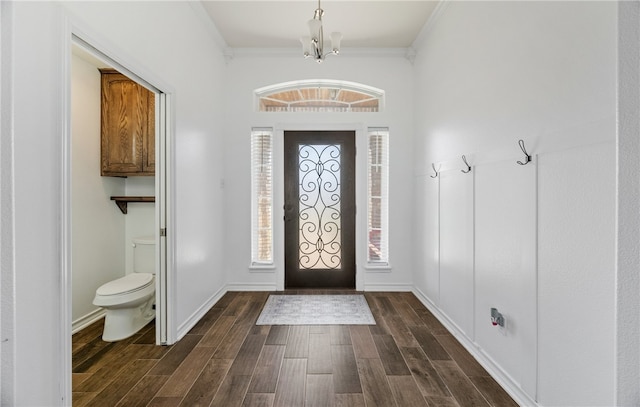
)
(129, 300)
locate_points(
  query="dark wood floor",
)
(407, 359)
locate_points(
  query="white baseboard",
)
(83, 322)
(388, 287)
(251, 287)
(500, 376)
(186, 326)
(272, 287)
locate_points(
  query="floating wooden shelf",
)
(122, 201)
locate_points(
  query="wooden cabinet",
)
(127, 127)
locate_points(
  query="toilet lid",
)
(130, 282)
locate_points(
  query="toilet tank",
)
(144, 254)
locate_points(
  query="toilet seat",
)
(128, 284)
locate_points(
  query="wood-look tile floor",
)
(407, 359)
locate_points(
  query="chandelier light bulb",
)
(306, 45)
(336, 38)
(315, 26)
(313, 45)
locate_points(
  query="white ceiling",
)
(280, 24)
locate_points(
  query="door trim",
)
(324, 277)
(74, 32)
(360, 130)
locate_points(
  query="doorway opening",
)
(85, 231)
(154, 219)
(319, 206)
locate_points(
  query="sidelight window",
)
(261, 196)
(378, 193)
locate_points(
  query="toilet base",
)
(121, 323)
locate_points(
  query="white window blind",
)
(261, 196)
(378, 197)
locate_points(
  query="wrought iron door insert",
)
(319, 208)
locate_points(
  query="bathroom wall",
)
(97, 224)
(140, 217)
(535, 241)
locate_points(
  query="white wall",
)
(98, 225)
(37, 194)
(189, 67)
(140, 217)
(7, 298)
(486, 75)
(576, 231)
(247, 73)
(628, 207)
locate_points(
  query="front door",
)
(319, 171)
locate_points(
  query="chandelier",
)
(313, 45)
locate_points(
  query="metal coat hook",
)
(467, 164)
(524, 150)
(434, 170)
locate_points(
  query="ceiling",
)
(280, 24)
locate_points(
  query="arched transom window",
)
(319, 96)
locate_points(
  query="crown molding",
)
(203, 16)
(403, 52)
(431, 22)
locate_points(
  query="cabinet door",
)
(149, 150)
(125, 126)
